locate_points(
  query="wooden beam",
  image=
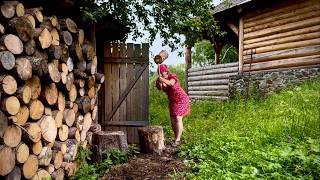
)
(240, 44)
(137, 123)
(233, 27)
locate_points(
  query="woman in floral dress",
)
(178, 100)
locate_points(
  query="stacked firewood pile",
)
(48, 87)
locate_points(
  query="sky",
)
(156, 47)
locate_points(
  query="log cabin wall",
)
(285, 35)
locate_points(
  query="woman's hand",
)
(161, 79)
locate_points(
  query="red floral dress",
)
(178, 98)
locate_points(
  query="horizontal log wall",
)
(286, 35)
(211, 82)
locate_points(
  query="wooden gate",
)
(125, 98)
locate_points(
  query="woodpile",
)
(48, 93)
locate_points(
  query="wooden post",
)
(241, 45)
(188, 63)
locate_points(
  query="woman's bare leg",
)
(179, 127)
(173, 126)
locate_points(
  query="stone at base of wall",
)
(266, 82)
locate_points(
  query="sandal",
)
(176, 143)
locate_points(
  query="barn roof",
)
(228, 5)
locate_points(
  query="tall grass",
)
(277, 137)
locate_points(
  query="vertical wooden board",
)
(123, 86)
(137, 50)
(129, 99)
(108, 88)
(241, 45)
(145, 50)
(115, 91)
(115, 50)
(139, 95)
(107, 50)
(146, 95)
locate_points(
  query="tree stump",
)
(151, 139)
(108, 140)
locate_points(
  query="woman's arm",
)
(170, 82)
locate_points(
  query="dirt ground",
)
(149, 166)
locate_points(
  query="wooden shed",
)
(272, 35)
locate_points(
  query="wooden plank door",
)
(126, 89)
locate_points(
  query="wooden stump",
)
(151, 139)
(108, 140)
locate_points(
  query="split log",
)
(55, 37)
(22, 27)
(37, 147)
(99, 78)
(54, 73)
(53, 20)
(15, 174)
(88, 51)
(64, 53)
(70, 64)
(82, 66)
(3, 123)
(77, 51)
(54, 52)
(74, 133)
(33, 131)
(58, 117)
(31, 19)
(79, 83)
(61, 101)
(91, 82)
(12, 43)
(108, 140)
(95, 113)
(66, 37)
(73, 93)
(7, 160)
(51, 93)
(8, 9)
(95, 128)
(23, 68)
(80, 36)
(75, 108)
(46, 24)
(12, 136)
(151, 139)
(22, 153)
(30, 47)
(36, 109)
(8, 84)
(82, 92)
(91, 92)
(2, 30)
(60, 146)
(22, 116)
(48, 111)
(63, 132)
(35, 12)
(35, 85)
(58, 174)
(7, 60)
(48, 128)
(68, 24)
(50, 168)
(69, 83)
(30, 167)
(84, 104)
(58, 159)
(10, 104)
(45, 38)
(41, 174)
(45, 156)
(63, 77)
(63, 68)
(69, 117)
(91, 68)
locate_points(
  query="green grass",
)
(277, 137)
